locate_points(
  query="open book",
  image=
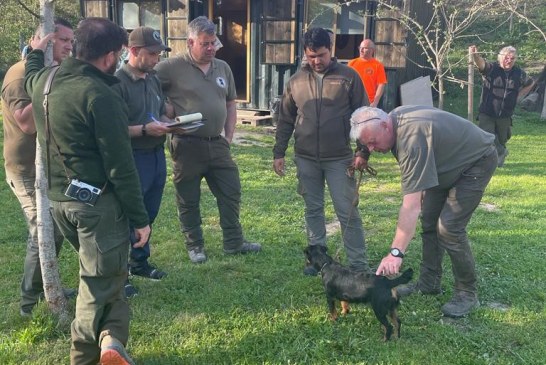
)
(194, 119)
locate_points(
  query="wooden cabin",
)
(261, 38)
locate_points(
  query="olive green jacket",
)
(88, 122)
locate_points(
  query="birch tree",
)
(54, 296)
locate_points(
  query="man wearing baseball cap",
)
(141, 90)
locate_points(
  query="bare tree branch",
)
(37, 16)
(516, 7)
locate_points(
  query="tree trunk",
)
(48, 260)
(441, 91)
(470, 99)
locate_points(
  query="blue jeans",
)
(152, 171)
(343, 190)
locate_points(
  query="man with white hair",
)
(502, 81)
(446, 163)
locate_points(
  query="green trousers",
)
(100, 234)
(445, 215)
(500, 127)
(195, 158)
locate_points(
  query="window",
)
(279, 32)
(135, 13)
(350, 22)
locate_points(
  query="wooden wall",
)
(95, 8)
(177, 26)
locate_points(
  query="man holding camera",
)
(93, 182)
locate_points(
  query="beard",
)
(112, 69)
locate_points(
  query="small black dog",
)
(353, 287)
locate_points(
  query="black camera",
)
(83, 192)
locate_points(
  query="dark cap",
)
(148, 38)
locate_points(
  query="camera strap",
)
(48, 133)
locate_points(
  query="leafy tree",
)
(19, 21)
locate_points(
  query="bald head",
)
(367, 49)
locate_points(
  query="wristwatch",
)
(397, 253)
(143, 129)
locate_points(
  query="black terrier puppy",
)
(349, 286)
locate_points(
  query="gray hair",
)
(364, 115)
(201, 24)
(506, 50)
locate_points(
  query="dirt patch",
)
(488, 207)
(246, 138)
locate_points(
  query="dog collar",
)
(322, 268)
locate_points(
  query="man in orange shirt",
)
(371, 71)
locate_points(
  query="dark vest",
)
(500, 91)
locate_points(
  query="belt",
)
(191, 136)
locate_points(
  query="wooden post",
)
(543, 114)
(470, 85)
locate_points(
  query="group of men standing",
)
(103, 138)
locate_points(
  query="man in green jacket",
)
(316, 107)
(93, 183)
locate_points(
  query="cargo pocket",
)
(104, 246)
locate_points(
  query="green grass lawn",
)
(260, 309)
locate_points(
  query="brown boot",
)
(112, 352)
(460, 304)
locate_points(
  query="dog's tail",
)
(402, 279)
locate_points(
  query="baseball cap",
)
(148, 38)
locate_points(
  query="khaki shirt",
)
(191, 91)
(19, 147)
(434, 147)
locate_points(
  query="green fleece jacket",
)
(88, 122)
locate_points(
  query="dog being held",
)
(350, 286)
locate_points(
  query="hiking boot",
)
(148, 271)
(310, 271)
(112, 352)
(416, 288)
(130, 290)
(245, 248)
(502, 157)
(460, 304)
(197, 255)
(25, 312)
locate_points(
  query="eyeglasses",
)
(364, 121)
(207, 44)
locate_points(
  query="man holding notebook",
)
(141, 90)
(197, 82)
